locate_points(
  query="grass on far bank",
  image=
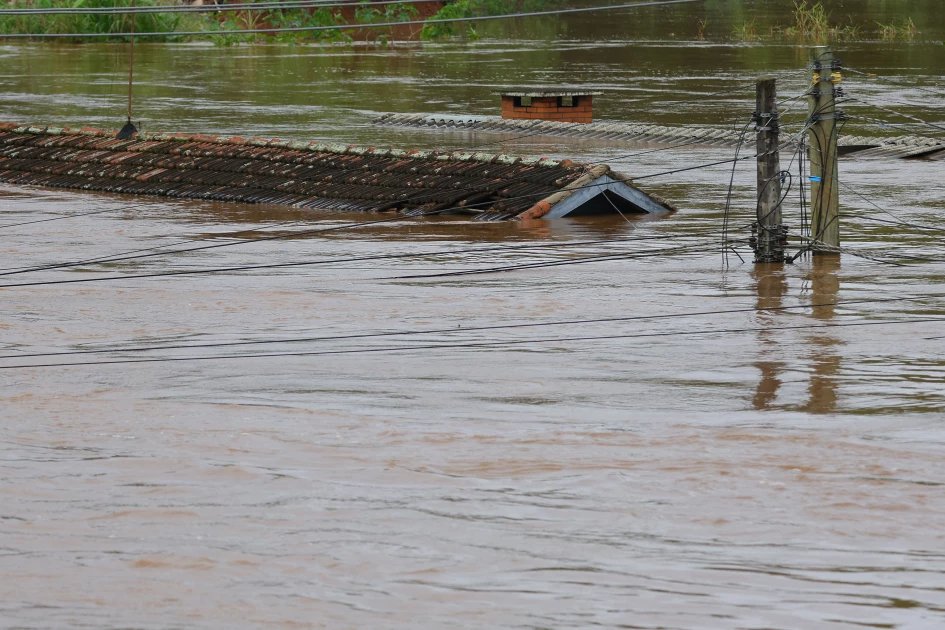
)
(812, 23)
(91, 23)
(235, 21)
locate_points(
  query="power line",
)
(892, 111)
(122, 257)
(871, 75)
(315, 231)
(301, 233)
(472, 345)
(357, 25)
(234, 268)
(905, 126)
(320, 230)
(896, 220)
(70, 216)
(650, 109)
(205, 8)
(188, 272)
(451, 252)
(12, 271)
(439, 331)
(558, 263)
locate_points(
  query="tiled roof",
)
(307, 175)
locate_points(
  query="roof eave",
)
(597, 178)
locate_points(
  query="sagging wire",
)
(353, 26)
(480, 345)
(885, 124)
(684, 143)
(797, 140)
(812, 241)
(896, 220)
(359, 224)
(69, 216)
(892, 111)
(872, 75)
(617, 210)
(824, 247)
(130, 255)
(558, 263)
(450, 252)
(205, 8)
(726, 213)
(728, 196)
(305, 263)
(442, 331)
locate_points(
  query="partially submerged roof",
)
(315, 175)
(538, 92)
(686, 136)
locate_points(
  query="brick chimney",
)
(548, 104)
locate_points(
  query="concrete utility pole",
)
(770, 234)
(824, 180)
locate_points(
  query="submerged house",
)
(316, 175)
(575, 106)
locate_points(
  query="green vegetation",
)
(475, 8)
(308, 18)
(389, 13)
(812, 24)
(231, 21)
(747, 31)
(806, 21)
(237, 21)
(905, 29)
(116, 23)
(700, 28)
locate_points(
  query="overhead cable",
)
(477, 345)
(878, 77)
(205, 8)
(892, 111)
(332, 261)
(356, 25)
(68, 216)
(440, 331)
(190, 272)
(360, 224)
(557, 263)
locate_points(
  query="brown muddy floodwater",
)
(785, 475)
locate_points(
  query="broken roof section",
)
(315, 175)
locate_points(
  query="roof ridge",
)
(297, 145)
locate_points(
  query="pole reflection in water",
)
(824, 360)
(771, 285)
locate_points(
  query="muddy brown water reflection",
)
(786, 476)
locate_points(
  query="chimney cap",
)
(538, 92)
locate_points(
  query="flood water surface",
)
(638, 441)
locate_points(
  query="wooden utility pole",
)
(769, 233)
(822, 151)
